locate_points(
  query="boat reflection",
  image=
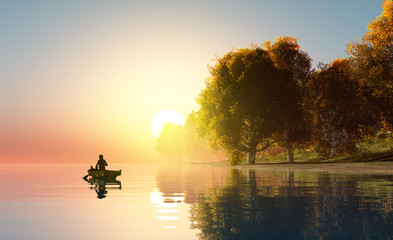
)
(101, 186)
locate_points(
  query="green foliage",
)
(196, 148)
(235, 157)
(376, 145)
(250, 101)
(236, 101)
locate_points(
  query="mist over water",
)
(192, 201)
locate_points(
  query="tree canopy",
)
(268, 95)
(336, 109)
(373, 61)
(249, 101)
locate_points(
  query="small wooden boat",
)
(107, 174)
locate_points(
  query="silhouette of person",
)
(101, 163)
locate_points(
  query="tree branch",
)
(269, 143)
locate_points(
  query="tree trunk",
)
(333, 148)
(290, 156)
(333, 152)
(252, 151)
(251, 156)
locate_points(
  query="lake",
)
(192, 201)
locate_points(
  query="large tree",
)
(247, 103)
(287, 56)
(373, 61)
(337, 109)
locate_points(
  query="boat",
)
(104, 174)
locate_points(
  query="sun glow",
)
(163, 117)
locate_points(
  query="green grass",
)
(371, 150)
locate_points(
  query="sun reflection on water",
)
(167, 210)
(165, 205)
(169, 227)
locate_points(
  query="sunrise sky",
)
(83, 78)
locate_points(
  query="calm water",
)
(192, 202)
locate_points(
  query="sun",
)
(162, 117)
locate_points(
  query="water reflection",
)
(101, 186)
(295, 205)
(177, 186)
(187, 181)
(156, 202)
(167, 206)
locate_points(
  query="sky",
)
(83, 78)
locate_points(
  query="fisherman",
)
(101, 163)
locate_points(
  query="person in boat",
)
(101, 163)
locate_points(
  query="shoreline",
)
(338, 167)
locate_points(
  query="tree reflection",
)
(344, 210)
(237, 211)
(188, 180)
(289, 205)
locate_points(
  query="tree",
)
(182, 143)
(287, 56)
(372, 60)
(170, 143)
(247, 102)
(197, 148)
(337, 109)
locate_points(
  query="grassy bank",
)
(369, 151)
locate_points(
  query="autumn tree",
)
(247, 102)
(372, 60)
(337, 109)
(288, 56)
